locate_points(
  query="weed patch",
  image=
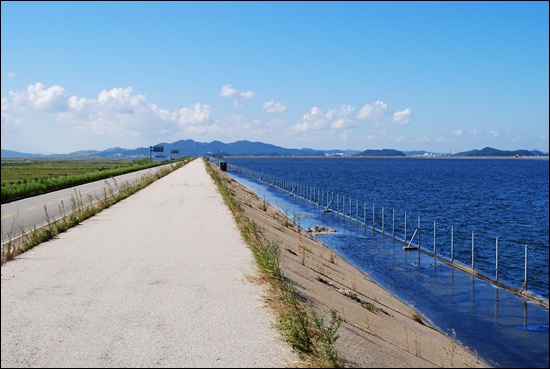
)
(301, 327)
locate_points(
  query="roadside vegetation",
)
(77, 211)
(23, 178)
(302, 328)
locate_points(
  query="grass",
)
(298, 323)
(78, 212)
(23, 178)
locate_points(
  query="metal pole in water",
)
(344, 206)
(525, 283)
(405, 227)
(452, 244)
(419, 234)
(365, 213)
(350, 209)
(496, 261)
(357, 210)
(472, 250)
(434, 239)
(372, 216)
(382, 220)
(393, 224)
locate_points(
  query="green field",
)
(21, 170)
(24, 177)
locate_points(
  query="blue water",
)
(482, 199)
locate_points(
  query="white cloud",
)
(12, 75)
(316, 119)
(338, 124)
(402, 117)
(343, 117)
(458, 132)
(118, 113)
(76, 103)
(228, 91)
(195, 114)
(374, 111)
(122, 101)
(51, 99)
(7, 121)
(274, 107)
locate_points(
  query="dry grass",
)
(298, 323)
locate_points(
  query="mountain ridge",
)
(190, 147)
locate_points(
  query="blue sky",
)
(436, 76)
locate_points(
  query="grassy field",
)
(24, 177)
(23, 239)
(28, 169)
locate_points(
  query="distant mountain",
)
(239, 148)
(538, 153)
(248, 148)
(17, 154)
(383, 152)
(489, 151)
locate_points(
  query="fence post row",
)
(317, 196)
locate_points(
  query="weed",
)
(367, 305)
(298, 324)
(417, 317)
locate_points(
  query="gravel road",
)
(157, 280)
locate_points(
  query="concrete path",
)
(157, 280)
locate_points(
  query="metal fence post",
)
(472, 250)
(435, 252)
(418, 234)
(525, 282)
(452, 243)
(373, 216)
(383, 220)
(496, 261)
(405, 239)
(393, 224)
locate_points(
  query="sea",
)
(398, 220)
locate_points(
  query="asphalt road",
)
(30, 212)
(157, 280)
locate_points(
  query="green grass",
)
(298, 323)
(23, 178)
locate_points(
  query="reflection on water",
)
(503, 329)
